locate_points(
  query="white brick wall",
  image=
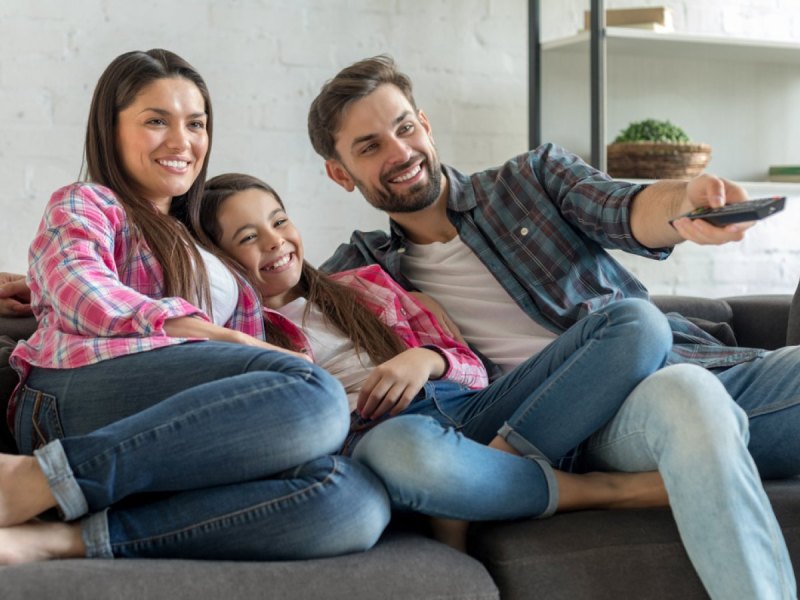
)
(265, 60)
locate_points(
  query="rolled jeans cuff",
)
(65, 489)
(531, 452)
(96, 539)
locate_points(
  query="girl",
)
(456, 449)
(128, 387)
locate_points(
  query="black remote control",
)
(752, 210)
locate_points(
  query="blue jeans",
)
(683, 422)
(203, 450)
(433, 457)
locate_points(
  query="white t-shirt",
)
(486, 315)
(224, 290)
(332, 350)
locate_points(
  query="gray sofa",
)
(590, 554)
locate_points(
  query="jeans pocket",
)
(37, 419)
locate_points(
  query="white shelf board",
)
(640, 42)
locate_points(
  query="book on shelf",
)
(653, 18)
(784, 173)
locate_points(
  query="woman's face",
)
(257, 233)
(162, 139)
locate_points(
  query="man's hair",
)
(350, 84)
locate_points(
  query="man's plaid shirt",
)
(541, 223)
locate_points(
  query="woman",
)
(394, 359)
(128, 388)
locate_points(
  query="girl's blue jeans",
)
(202, 450)
(434, 459)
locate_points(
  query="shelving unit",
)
(734, 93)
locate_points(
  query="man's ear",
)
(339, 174)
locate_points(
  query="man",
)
(516, 255)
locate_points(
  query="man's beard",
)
(418, 197)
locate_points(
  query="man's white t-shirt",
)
(486, 315)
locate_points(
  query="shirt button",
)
(401, 250)
(523, 231)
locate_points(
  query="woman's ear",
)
(339, 174)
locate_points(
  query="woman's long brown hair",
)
(340, 305)
(168, 238)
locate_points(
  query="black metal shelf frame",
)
(597, 84)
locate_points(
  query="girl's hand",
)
(393, 385)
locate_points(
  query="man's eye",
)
(368, 149)
(407, 128)
(281, 222)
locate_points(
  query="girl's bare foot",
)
(24, 492)
(610, 490)
(37, 541)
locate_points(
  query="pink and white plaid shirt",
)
(97, 292)
(411, 321)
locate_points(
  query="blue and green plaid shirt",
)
(541, 223)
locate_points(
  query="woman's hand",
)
(391, 386)
(194, 327)
(15, 296)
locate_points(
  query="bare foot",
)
(451, 532)
(610, 490)
(37, 541)
(24, 492)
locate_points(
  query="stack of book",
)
(653, 18)
(785, 173)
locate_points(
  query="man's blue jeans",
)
(684, 423)
(202, 450)
(433, 457)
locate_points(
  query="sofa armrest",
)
(761, 321)
(758, 321)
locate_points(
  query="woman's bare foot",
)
(451, 532)
(24, 492)
(610, 490)
(37, 541)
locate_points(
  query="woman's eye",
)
(156, 122)
(197, 125)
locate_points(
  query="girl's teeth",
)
(279, 263)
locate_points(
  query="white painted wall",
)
(265, 60)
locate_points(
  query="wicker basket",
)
(657, 160)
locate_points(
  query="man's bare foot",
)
(37, 541)
(24, 492)
(610, 490)
(451, 532)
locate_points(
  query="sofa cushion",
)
(402, 565)
(609, 555)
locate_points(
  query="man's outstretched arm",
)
(654, 207)
(15, 296)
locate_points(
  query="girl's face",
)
(258, 234)
(162, 139)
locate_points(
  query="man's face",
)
(386, 150)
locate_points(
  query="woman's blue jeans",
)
(203, 450)
(434, 459)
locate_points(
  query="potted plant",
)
(652, 149)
